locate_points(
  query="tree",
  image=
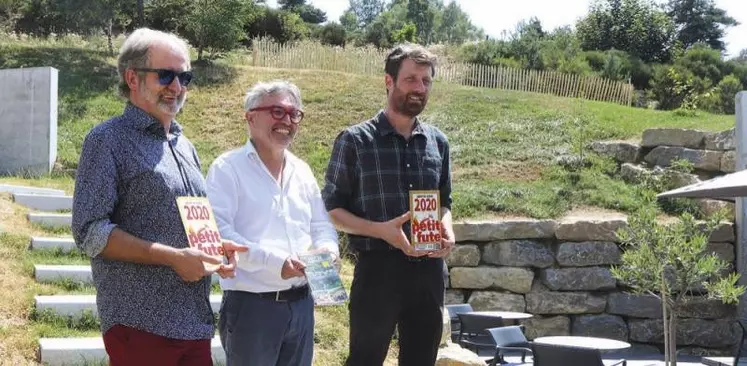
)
(634, 26)
(455, 26)
(366, 10)
(669, 262)
(96, 15)
(290, 4)
(423, 15)
(281, 25)
(333, 34)
(311, 14)
(349, 21)
(215, 25)
(408, 33)
(699, 21)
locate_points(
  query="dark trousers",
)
(391, 290)
(258, 331)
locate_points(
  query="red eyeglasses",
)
(279, 112)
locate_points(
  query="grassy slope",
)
(503, 144)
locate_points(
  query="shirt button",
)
(408, 165)
(410, 185)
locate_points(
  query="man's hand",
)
(447, 244)
(193, 264)
(292, 268)
(391, 232)
(231, 248)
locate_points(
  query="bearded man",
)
(373, 167)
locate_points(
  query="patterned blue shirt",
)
(129, 176)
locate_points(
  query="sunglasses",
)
(166, 77)
(279, 112)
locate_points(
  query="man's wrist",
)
(166, 255)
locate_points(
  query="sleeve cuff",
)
(97, 237)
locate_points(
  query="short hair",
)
(414, 52)
(262, 89)
(134, 52)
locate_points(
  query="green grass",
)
(503, 143)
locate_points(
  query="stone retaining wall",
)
(559, 272)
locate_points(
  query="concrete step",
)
(64, 244)
(53, 273)
(77, 273)
(14, 189)
(723, 361)
(44, 202)
(75, 305)
(79, 351)
(55, 220)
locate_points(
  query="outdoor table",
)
(510, 315)
(584, 342)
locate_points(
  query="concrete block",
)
(14, 189)
(90, 351)
(77, 273)
(75, 305)
(64, 244)
(44, 202)
(28, 120)
(53, 220)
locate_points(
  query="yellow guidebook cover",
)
(199, 224)
(425, 223)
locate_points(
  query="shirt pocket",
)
(431, 169)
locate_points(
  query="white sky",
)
(495, 16)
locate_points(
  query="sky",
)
(495, 16)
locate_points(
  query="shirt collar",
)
(385, 127)
(252, 151)
(141, 120)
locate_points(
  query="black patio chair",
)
(557, 355)
(474, 335)
(453, 310)
(507, 339)
(742, 338)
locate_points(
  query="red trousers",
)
(129, 346)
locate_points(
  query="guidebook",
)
(425, 223)
(199, 224)
(324, 281)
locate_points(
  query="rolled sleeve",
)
(95, 195)
(339, 176)
(222, 191)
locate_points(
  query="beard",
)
(167, 106)
(409, 104)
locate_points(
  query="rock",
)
(633, 173)
(704, 308)
(631, 305)
(455, 355)
(491, 300)
(578, 279)
(513, 279)
(695, 332)
(701, 159)
(519, 253)
(540, 326)
(463, 256)
(621, 151)
(445, 327)
(723, 233)
(549, 302)
(680, 179)
(729, 162)
(504, 229)
(705, 352)
(604, 326)
(589, 229)
(454, 297)
(723, 140)
(709, 207)
(673, 137)
(639, 349)
(588, 253)
(724, 251)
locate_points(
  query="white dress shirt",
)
(275, 219)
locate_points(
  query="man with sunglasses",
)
(267, 198)
(374, 166)
(152, 288)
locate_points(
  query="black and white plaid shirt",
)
(373, 168)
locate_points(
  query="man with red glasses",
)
(267, 198)
(374, 166)
(152, 288)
